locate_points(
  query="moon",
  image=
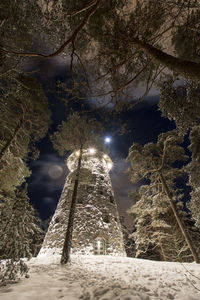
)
(55, 171)
(107, 140)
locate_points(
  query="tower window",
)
(111, 199)
(102, 177)
(106, 219)
(101, 192)
(57, 220)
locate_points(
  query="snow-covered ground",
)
(106, 278)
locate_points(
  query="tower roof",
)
(90, 158)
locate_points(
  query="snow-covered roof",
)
(90, 160)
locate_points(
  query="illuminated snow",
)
(92, 151)
(106, 277)
(90, 158)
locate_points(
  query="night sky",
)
(144, 124)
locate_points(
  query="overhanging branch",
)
(64, 45)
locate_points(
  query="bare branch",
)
(132, 79)
(84, 70)
(11, 69)
(125, 84)
(111, 70)
(148, 87)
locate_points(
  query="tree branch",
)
(88, 5)
(183, 67)
(125, 84)
(111, 70)
(64, 45)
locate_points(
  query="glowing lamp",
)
(77, 153)
(92, 150)
(109, 165)
(105, 156)
(98, 244)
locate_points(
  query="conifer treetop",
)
(77, 133)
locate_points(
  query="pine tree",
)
(76, 134)
(187, 117)
(155, 162)
(193, 169)
(98, 31)
(186, 37)
(18, 227)
(180, 103)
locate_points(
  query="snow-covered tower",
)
(97, 228)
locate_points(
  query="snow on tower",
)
(97, 228)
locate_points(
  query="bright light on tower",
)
(109, 165)
(107, 140)
(77, 153)
(99, 244)
(92, 150)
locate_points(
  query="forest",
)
(115, 53)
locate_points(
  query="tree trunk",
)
(178, 219)
(9, 142)
(162, 249)
(185, 68)
(68, 237)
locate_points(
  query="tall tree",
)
(25, 119)
(193, 169)
(157, 235)
(76, 134)
(155, 162)
(186, 100)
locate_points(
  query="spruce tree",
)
(146, 242)
(19, 226)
